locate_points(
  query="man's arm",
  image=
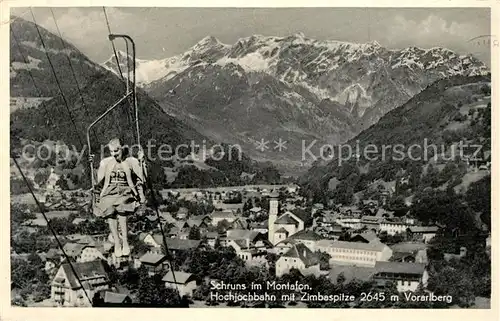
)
(135, 166)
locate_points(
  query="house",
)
(167, 217)
(251, 239)
(308, 238)
(66, 290)
(349, 222)
(116, 298)
(53, 258)
(235, 208)
(83, 252)
(351, 273)
(182, 213)
(354, 253)
(258, 227)
(73, 250)
(184, 282)
(176, 246)
(300, 258)
(407, 276)
(352, 211)
(200, 221)
(365, 237)
(219, 216)
(212, 238)
(371, 222)
(422, 233)
(92, 240)
(155, 263)
(251, 253)
(284, 246)
(393, 227)
(153, 240)
(91, 253)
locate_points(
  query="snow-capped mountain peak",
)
(367, 78)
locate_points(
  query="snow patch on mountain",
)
(352, 94)
(253, 62)
(147, 71)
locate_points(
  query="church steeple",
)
(273, 215)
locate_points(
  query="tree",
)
(324, 260)
(18, 186)
(194, 233)
(41, 176)
(478, 196)
(341, 278)
(398, 206)
(223, 226)
(151, 290)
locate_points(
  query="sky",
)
(165, 32)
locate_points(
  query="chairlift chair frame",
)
(131, 91)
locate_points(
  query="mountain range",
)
(292, 88)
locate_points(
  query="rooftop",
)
(399, 267)
(306, 235)
(85, 270)
(113, 297)
(286, 219)
(351, 272)
(373, 246)
(424, 229)
(180, 277)
(74, 249)
(303, 253)
(152, 258)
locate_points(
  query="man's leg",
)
(122, 220)
(113, 226)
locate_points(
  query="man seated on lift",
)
(122, 193)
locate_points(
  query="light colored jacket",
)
(130, 165)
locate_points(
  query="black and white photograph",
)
(238, 157)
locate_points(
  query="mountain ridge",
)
(297, 75)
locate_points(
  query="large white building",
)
(354, 253)
(393, 227)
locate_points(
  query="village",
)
(272, 229)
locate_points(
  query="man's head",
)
(115, 148)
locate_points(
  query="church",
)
(282, 226)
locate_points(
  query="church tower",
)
(273, 215)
